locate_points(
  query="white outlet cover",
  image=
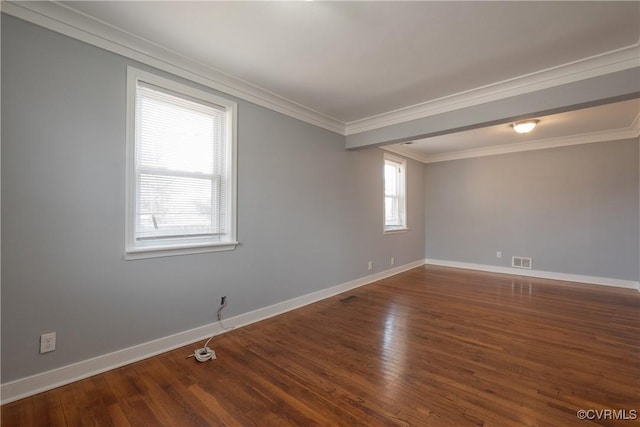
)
(47, 342)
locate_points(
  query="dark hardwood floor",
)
(430, 347)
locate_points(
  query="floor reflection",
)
(394, 349)
(521, 288)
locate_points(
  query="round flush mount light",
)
(525, 126)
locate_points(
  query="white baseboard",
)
(38, 383)
(594, 280)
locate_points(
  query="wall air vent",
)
(521, 262)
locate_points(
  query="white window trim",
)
(184, 247)
(403, 185)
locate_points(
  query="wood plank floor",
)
(430, 347)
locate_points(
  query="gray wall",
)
(309, 213)
(572, 209)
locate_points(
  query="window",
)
(180, 169)
(395, 190)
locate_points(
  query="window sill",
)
(157, 252)
(396, 231)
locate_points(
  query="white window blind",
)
(182, 177)
(394, 194)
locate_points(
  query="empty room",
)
(337, 213)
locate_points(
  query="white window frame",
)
(401, 163)
(180, 246)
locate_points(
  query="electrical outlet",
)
(498, 254)
(370, 266)
(47, 342)
(393, 261)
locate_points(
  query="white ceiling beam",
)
(590, 92)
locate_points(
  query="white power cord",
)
(205, 353)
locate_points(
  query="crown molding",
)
(632, 131)
(399, 149)
(69, 22)
(594, 66)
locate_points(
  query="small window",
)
(395, 190)
(180, 169)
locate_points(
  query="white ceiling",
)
(354, 60)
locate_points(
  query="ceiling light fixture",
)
(525, 127)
